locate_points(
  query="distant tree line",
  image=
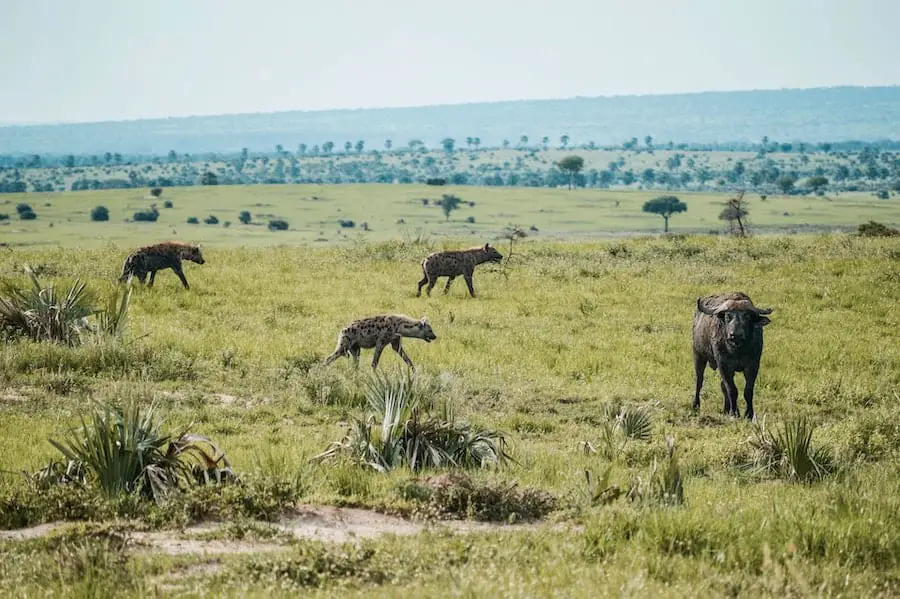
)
(839, 166)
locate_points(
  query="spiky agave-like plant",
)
(124, 450)
(402, 428)
(43, 314)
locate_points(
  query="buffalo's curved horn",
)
(702, 308)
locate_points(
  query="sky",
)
(102, 60)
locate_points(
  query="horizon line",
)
(10, 125)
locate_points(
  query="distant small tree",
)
(505, 143)
(301, 150)
(735, 214)
(448, 143)
(348, 145)
(648, 141)
(665, 206)
(360, 145)
(564, 141)
(209, 178)
(193, 220)
(100, 213)
(449, 203)
(388, 144)
(785, 183)
(545, 141)
(156, 192)
(245, 217)
(212, 219)
(327, 147)
(523, 141)
(571, 165)
(817, 182)
(278, 225)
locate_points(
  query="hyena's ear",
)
(424, 320)
(487, 246)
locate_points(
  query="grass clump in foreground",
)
(405, 427)
(124, 450)
(41, 313)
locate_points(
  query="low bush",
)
(100, 213)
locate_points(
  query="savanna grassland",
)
(314, 213)
(560, 335)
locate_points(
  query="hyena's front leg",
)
(152, 278)
(469, 283)
(399, 349)
(421, 284)
(180, 273)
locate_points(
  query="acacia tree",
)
(564, 141)
(449, 203)
(735, 214)
(665, 206)
(448, 143)
(572, 165)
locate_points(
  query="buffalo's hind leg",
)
(699, 369)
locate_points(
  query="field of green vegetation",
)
(314, 214)
(576, 352)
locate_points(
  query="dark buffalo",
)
(728, 335)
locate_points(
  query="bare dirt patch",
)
(312, 522)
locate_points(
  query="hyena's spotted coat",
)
(453, 264)
(379, 332)
(148, 260)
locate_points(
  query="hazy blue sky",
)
(90, 60)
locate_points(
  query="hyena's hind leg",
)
(422, 283)
(447, 286)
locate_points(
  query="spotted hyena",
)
(379, 332)
(453, 264)
(148, 260)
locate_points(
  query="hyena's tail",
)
(337, 354)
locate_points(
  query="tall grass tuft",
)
(789, 453)
(405, 426)
(124, 450)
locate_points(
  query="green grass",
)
(64, 218)
(555, 335)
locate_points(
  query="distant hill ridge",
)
(810, 115)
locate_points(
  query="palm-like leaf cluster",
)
(404, 427)
(124, 450)
(789, 452)
(43, 313)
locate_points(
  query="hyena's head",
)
(420, 329)
(491, 253)
(192, 253)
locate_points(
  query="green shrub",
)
(876, 229)
(147, 216)
(245, 217)
(278, 225)
(100, 213)
(193, 220)
(211, 220)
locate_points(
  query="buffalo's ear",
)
(762, 321)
